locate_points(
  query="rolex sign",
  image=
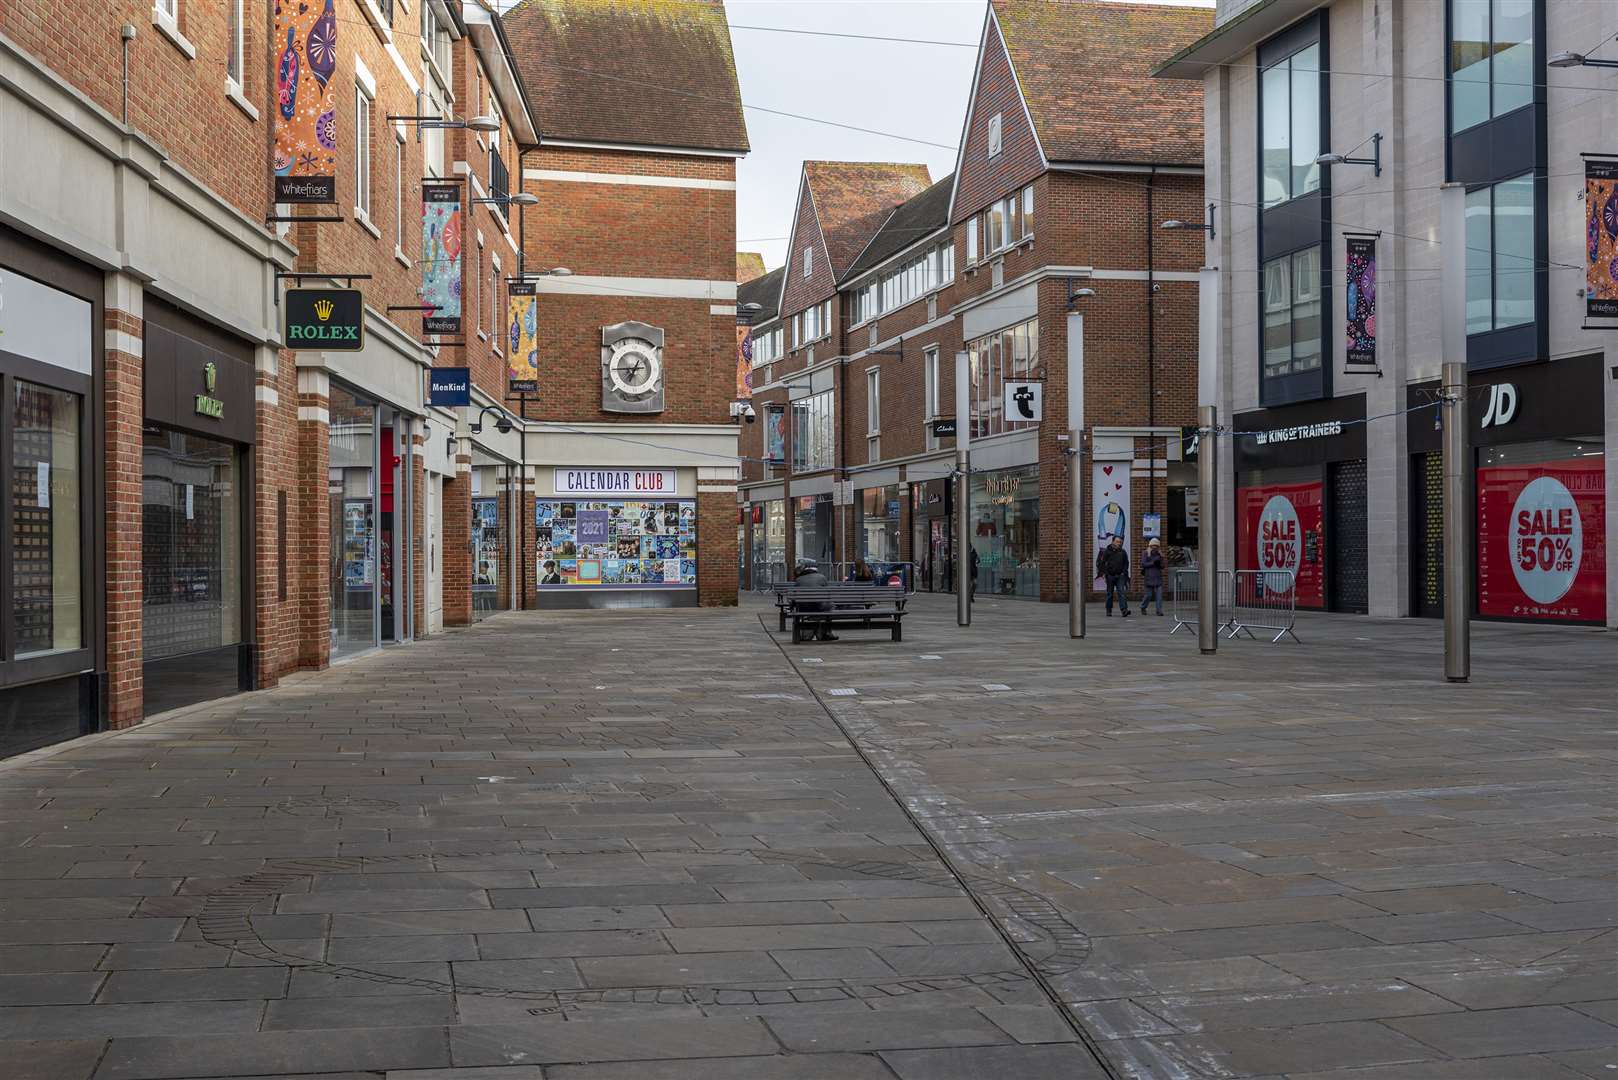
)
(325, 320)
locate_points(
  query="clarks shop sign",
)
(325, 320)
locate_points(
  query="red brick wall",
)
(275, 473)
(457, 576)
(984, 179)
(716, 549)
(311, 581)
(178, 103)
(799, 292)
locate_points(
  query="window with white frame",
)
(1028, 210)
(362, 152)
(873, 401)
(808, 261)
(929, 370)
(971, 240)
(432, 138)
(994, 134)
(494, 300)
(235, 40)
(169, 9)
(767, 347)
(398, 190)
(814, 434)
(477, 276)
(435, 40)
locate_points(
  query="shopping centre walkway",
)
(674, 846)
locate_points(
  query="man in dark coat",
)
(1112, 564)
(808, 576)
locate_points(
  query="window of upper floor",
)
(767, 346)
(1500, 234)
(811, 324)
(1290, 134)
(1491, 59)
(918, 276)
(1292, 314)
(437, 45)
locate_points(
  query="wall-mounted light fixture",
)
(1375, 161)
(1207, 226)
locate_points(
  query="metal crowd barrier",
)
(767, 575)
(1185, 591)
(1264, 600)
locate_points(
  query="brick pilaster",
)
(716, 545)
(124, 414)
(457, 575)
(312, 531)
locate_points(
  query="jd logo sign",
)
(326, 320)
(1502, 405)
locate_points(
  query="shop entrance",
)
(1348, 535)
(1427, 524)
(368, 463)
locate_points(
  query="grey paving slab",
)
(608, 1040)
(778, 1067)
(977, 1062)
(111, 1020)
(52, 1059)
(300, 1014)
(202, 984)
(1495, 1032)
(899, 1030)
(358, 1049)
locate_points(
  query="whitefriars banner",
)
(658, 482)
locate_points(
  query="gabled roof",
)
(764, 291)
(749, 265)
(637, 72)
(919, 217)
(853, 199)
(1085, 71)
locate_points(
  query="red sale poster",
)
(1282, 527)
(1541, 539)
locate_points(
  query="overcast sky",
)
(904, 87)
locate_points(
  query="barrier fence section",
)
(1264, 600)
(767, 575)
(1185, 590)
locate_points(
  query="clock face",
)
(634, 368)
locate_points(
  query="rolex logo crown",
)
(323, 309)
(210, 375)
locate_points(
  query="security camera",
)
(751, 418)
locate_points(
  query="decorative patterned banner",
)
(744, 362)
(1601, 238)
(775, 443)
(522, 337)
(306, 106)
(1361, 300)
(441, 257)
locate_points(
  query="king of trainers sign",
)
(325, 320)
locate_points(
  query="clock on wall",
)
(632, 368)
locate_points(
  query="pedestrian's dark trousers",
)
(1152, 592)
(1115, 584)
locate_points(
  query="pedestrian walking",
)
(1151, 575)
(807, 575)
(1112, 565)
(972, 591)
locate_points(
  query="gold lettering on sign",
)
(1002, 490)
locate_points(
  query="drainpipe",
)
(1151, 346)
(126, 34)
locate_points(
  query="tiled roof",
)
(924, 214)
(643, 72)
(853, 199)
(1085, 66)
(749, 265)
(764, 291)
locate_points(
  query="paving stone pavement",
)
(664, 846)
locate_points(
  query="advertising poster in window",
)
(1601, 238)
(616, 543)
(1541, 539)
(441, 258)
(1361, 280)
(1283, 527)
(775, 445)
(522, 336)
(485, 544)
(744, 362)
(305, 161)
(358, 566)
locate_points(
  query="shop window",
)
(46, 494)
(1292, 317)
(1500, 256)
(1290, 97)
(1491, 59)
(879, 525)
(352, 485)
(191, 549)
(1009, 355)
(1005, 531)
(616, 544)
(814, 437)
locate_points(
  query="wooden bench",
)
(784, 589)
(810, 608)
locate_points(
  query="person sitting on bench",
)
(808, 575)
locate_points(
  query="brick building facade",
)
(1047, 198)
(192, 508)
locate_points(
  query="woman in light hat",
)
(1151, 575)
